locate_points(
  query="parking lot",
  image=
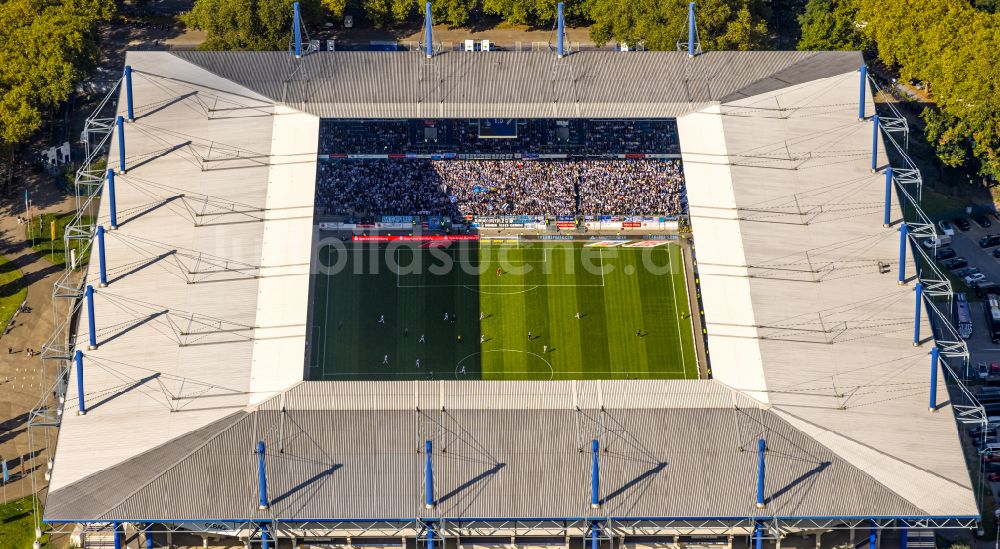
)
(966, 244)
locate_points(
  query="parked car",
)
(946, 228)
(961, 222)
(945, 253)
(986, 288)
(983, 221)
(989, 241)
(962, 273)
(974, 278)
(936, 242)
(955, 263)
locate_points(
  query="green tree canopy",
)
(660, 24)
(251, 24)
(831, 25)
(953, 46)
(46, 46)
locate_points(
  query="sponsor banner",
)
(394, 226)
(632, 224)
(397, 156)
(367, 156)
(398, 219)
(645, 244)
(337, 226)
(555, 237)
(413, 237)
(484, 156)
(635, 155)
(609, 237)
(566, 224)
(605, 243)
(565, 218)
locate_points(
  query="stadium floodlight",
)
(561, 29)
(112, 206)
(128, 93)
(82, 408)
(916, 317)
(934, 372)
(297, 30)
(102, 264)
(761, 450)
(864, 85)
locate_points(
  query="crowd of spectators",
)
(500, 187)
(615, 187)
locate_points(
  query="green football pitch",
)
(528, 311)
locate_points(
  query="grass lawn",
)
(17, 525)
(494, 295)
(12, 291)
(53, 250)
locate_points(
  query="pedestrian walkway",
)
(20, 372)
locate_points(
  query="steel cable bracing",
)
(228, 206)
(224, 264)
(226, 97)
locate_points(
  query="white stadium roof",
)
(202, 328)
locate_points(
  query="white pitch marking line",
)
(552, 371)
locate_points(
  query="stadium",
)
(495, 299)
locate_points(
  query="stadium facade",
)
(200, 332)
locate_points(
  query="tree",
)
(943, 134)
(831, 25)
(953, 46)
(46, 47)
(250, 24)
(660, 24)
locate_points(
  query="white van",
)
(936, 242)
